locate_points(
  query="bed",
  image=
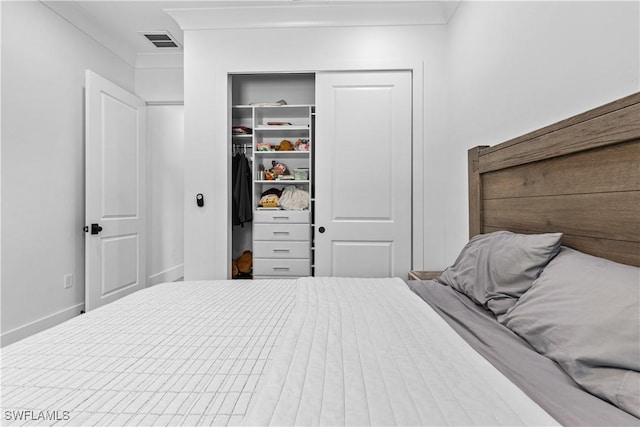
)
(354, 351)
(279, 352)
(579, 177)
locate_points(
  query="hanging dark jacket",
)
(242, 211)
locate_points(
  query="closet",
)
(339, 143)
(272, 142)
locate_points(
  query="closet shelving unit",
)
(281, 239)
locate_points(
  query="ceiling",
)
(117, 25)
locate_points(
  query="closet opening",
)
(272, 139)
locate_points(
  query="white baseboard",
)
(168, 275)
(40, 325)
(46, 322)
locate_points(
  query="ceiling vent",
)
(161, 39)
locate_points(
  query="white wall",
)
(517, 66)
(160, 77)
(165, 193)
(160, 84)
(43, 63)
(211, 54)
(159, 80)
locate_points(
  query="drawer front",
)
(281, 217)
(282, 249)
(281, 267)
(300, 232)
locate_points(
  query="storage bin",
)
(301, 174)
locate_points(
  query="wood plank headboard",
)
(580, 176)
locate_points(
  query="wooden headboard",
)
(580, 176)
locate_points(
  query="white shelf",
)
(283, 153)
(282, 181)
(273, 106)
(281, 127)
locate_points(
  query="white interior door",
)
(115, 183)
(363, 174)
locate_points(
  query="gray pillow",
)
(584, 313)
(494, 269)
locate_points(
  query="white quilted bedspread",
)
(369, 352)
(186, 353)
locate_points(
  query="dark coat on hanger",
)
(242, 210)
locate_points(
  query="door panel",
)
(115, 181)
(363, 174)
(353, 259)
(119, 146)
(118, 252)
(362, 155)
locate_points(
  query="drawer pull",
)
(284, 218)
(280, 232)
(281, 250)
(281, 268)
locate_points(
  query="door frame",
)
(416, 68)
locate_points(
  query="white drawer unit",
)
(281, 249)
(281, 217)
(299, 232)
(281, 267)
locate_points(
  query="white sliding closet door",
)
(363, 174)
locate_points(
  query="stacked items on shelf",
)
(241, 130)
(301, 144)
(290, 198)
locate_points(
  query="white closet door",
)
(115, 192)
(363, 174)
